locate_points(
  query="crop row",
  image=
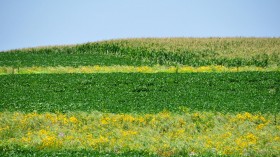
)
(141, 92)
(164, 51)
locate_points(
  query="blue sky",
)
(29, 23)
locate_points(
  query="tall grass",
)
(163, 134)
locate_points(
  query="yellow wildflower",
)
(165, 114)
(48, 116)
(26, 139)
(105, 120)
(252, 139)
(49, 141)
(204, 69)
(226, 135)
(128, 118)
(73, 119)
(180, 131)
(141, 119)
(100, 140)
(260, 126)
(262, 118)
(43, 132)
(129, 132)
(248, 115)
(65, 121)
(240, 117)
(241, 143)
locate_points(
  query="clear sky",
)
(29, 23)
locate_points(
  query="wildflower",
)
(260, 126)
(73, 119)
(180, 131)
(251, 138)
(65, 121)
(43, 132)
(127, 133)
(263, 119)
(240, 117)
(141, 119)
(247, 115)
(48, 141)
(101, 139)
(153, 121)
(196, 115)
(128, 118)
(26, 139)
(226, 135)
(48, 116)
(165, 114)
(105, 120)
(241, 143)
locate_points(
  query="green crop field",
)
(145, 93)
(142, 97)
(164, 51)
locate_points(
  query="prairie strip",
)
(165, 133)
(130, 69)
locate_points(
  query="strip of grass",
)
(128, 69)
(24, 152)
(141, 93)
(163, 134)
(27, 152)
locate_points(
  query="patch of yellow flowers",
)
(162, 134)
(129, 69)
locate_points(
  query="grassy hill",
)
(261, 52)
(142, 97)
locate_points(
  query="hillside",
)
(142, 97)
(260, 52)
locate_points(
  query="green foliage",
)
(164, 51)
(27, 152)
(137, 92)
(18, 151)
(141, 93)
(29, 59)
